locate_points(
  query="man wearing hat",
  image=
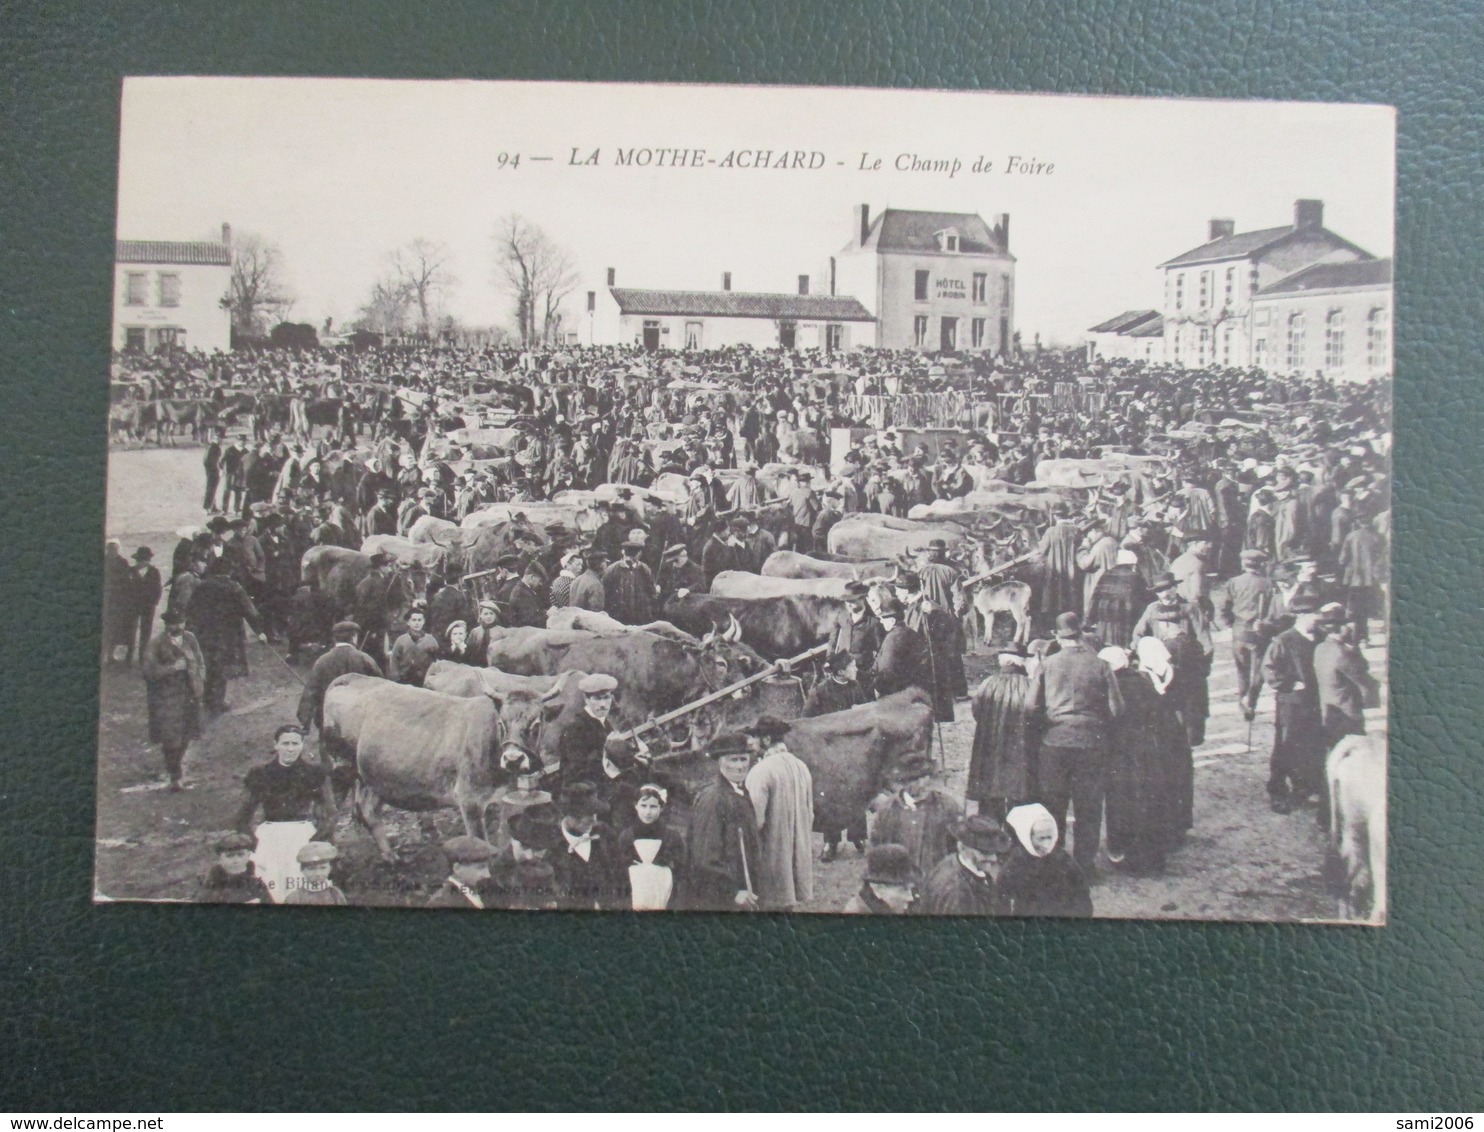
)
(782, 793)
(939, 630)
(174, 680)
(1061, 589)
(858, 635)
(838, 690)
(725, 550)
(449, 603)
(918, 815)
(1344, 680)
(722, 853)
(759, 541)
(628, 585)
(889, 886)
(902, 660)
(580, 749)
(679, 575)
(1248, 609)
(233, 878)
(382, 518)
(144, 592)
(1073, 703)
(342, 658)
(587, 587)
(372, 605)
(1000, 768)
(830, 513)
(526, 604)
(216, 613)
(1296, 768)
(522, 877)
(584, 863)
(468, 871)
(414, 651)
(950, 481)
(478, 644)
(963, 882)
(939, 579)
(313, 885)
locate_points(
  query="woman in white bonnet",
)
(1040, 878)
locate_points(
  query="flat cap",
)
(316, 853)
(466, 850)
(596, 683)
(235, 842)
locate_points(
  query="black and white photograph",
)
(640, 497)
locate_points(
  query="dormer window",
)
(947, 240)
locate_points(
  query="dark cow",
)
(777, 627)
(335, 572)
(414, 749)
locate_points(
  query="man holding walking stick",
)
(723, 852)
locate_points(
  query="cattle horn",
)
(556, 689)
(734, 629)
(709, 637)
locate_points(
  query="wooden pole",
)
(720, 693)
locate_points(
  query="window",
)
(136, 289)
(1253, 282)
(1260, 352)
(919, 286)
(1377, 326)
(592, 301)
(919, 330)
(1203, 347)
(787, 333)
(1180, 291)
(976, 333)
(1205, 290)
(169, 289)
(165, 337)
(1334, 340)
(1294, 358)
(952, 243)
(1004, 335)
(803, 284)
(948, 336)
(980, 287)
(1231, 287)
(134, 338)
(1226, 343)
(1005, 293)
(947, 240)
(1179, 342)
(834, 337)
(692, 335)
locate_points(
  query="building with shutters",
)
(1333, 317)
(170, 293)
(935, 281)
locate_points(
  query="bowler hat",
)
(769, 727)
(466, 850)
(731, 743)
(937, 544)
(536, 828)
(982, 833)
(1164, 581)
(674, 552)
(1253, 558)
(1303, 603)
(143, 554)
(580, 800)
(889, 864)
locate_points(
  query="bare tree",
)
(539, 273)
(422, 267)
(257, 294)
(388, 309)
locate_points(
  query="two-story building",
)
(934, 281)
(1334, 318)
(171, 293)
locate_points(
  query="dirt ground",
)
(1240, 862)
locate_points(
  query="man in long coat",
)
(722, 853)
(782, 793)
(1296, 767)
(1000, 769)
(918, 816)
(858, 634)
(628, 586)
(939, 631)
(1095, 557)
(342, 659)
(902, 659)
(1061, 591)
(216, 613)
(174, 679)
(962, 883)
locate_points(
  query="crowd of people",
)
(1269, 516)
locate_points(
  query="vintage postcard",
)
(747, 499)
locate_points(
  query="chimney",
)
(612, 277)
(865, 223)
(1308, 214)
(1220, 230)
(726, 280)
(1002, 230)
(803, 284)
(227, 235)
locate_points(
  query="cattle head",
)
(409, 585)
(527, 717)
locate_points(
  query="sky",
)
(338, 173)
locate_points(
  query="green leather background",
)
(141, 1008)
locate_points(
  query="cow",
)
(573, 516)
(533, 708)
(791, 564)
(1009, 591)
(655, 674)
(1356, 857)
(1114, 468)
(978, 505)
(744, 583)
(175, 415)
(335, 572)
(865, 536)
(415, 749)
(592, 621)
(431, 529)
(777, 627)
(432, 558)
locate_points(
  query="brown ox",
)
(791, 564)
(595, 621)
(533, 708)
(777, 627)
(414, 749)
(433, 559)
(869, 536)
(744, 583)
(335, 572)
(1356, 859)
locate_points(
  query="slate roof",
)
(740, 304)
(1154, 328)
(1328, 276)
(1245, 244)
(907, 230)
(172, 251)
(1123, 323)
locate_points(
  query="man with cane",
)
(723, 851)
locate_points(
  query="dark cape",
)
(1000, 765)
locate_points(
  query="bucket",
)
(781, 697)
